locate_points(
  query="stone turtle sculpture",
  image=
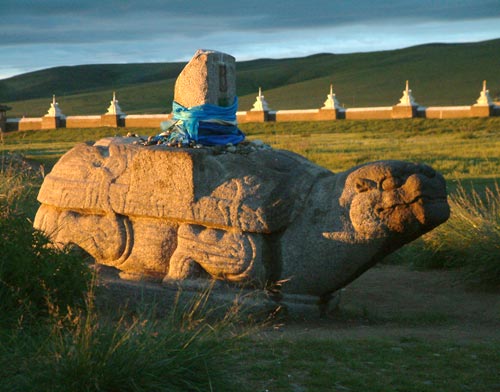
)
(256, 216)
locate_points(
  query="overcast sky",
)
(37, 34)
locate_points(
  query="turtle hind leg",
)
(329, 303)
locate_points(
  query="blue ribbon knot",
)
(206, 124)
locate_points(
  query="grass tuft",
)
(35, 278)
(82, 352)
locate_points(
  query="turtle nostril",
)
(360, 188)
(364, 184)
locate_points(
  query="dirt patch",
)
(397, 302)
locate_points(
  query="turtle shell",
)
(261, 191)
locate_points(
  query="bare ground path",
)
(395, 301)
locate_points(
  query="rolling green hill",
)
(439, 74)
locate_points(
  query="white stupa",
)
(54, 110)
(114, 108)
(331, 101)
(407, 98)
(484, 97)
(260, 103)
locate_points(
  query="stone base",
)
(481, 111)
(404, 111)
(49, 122)
(219, 298)
(110, 120)
(257, 116)
(330, 114)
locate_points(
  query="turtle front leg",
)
(213, 253)
(185, 261)
(183, 267)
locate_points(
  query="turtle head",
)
(363, 215)
(395, 200)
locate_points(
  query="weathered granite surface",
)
(255, 216)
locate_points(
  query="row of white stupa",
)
(406, 100)
(113, 109)
(261, 104)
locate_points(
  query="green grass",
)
(85, 351)
(439, 74)
(35, 278)
(46, 147)
(462, 149)
(466, 149)
(369, 365)
(87, 348)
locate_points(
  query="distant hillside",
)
(439, 74)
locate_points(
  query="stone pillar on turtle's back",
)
(113, 117)
(484, 106)
(208, 78)
(260, 110)
(54, 117)
(332, 109)
(407, 107)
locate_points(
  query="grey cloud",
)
(63, 21)
(333, 9)
(45, 33)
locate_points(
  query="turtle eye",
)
(364, 184)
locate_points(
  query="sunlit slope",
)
(439, 74)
